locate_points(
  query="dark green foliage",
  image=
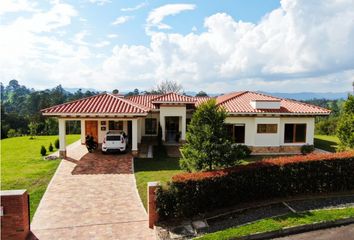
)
(20, 106)
(345, 130)
(56, 143)
(201, 94)
(207, 145)
(50, 148)
(306, 149)
(160, 152)
(326, 125)
(43, 151)
(208, 191)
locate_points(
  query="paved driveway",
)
(92, 196)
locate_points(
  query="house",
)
(265, 123)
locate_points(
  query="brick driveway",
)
(92, 196)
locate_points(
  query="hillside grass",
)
(23, 167)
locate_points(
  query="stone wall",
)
(15, 220)
(276, 150)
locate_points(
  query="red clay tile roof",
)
(234, 103)
(240, 102)
(99, 104)
(144, 100)
(173, 98)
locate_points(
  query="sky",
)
(214, 46)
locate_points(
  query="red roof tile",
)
(144, 100)
(200, 100)
(240, 102)
(173, 98)
(99, 104)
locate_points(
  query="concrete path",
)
(82, 204)
(337, 233)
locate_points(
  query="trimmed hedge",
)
(190, 194)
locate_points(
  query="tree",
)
(33, 129)
(43, 151)
(201, 94)
(168, 86)
(345, 131)
(50, 148)
(207, 145)
(115, 91)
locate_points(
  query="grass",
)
(277, 223)
(23, 167)
(150, 170)
(325, 142)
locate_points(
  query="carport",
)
(99, 114)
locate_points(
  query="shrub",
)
(56, 143)
(190, 194)
(43, 151)
(241, 151)
(306, 149)
(50, 148)
(12, 133)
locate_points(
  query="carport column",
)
(62, 133)
(135, 136)
(183, 135)
(83, 137)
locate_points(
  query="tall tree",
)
(345, 131)
(201, 94)
(169, 86)
(207, 145)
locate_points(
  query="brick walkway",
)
(92, 196)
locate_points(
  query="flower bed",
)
(190, 194)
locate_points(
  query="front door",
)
(172, 129)
(91, 128)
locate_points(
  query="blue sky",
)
(216, 46)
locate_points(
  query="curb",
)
(298, 229)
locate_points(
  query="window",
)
(115, 125)
(239, 133)
(267, 128)
(150, 126)
(295, 133)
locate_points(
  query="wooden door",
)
(91, 128)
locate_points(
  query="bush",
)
(306, 149)
(190, 194)
(43, 151)
(50, 148)
(56, 143)
(12, 133)
(241, 151)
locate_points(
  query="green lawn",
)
(325, 142)
(22, 166)
(150, 170)
(277, 223)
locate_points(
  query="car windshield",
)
(113, 138)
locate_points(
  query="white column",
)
(82, 131)
(162, 122)
(183, 135)
(139, 130)
(135, 135)
(62, 133)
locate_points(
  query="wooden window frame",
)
(294, 132)
(119, 123)
(258, 128)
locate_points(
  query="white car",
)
(114, 141)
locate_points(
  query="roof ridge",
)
(231, 97)
(141, 107)
(73, 101)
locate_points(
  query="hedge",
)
(189, 194)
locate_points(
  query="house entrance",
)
(91, 128)
(172, 129)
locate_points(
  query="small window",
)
(150, 126)
(113, 138)
(116, 125)
(267, 128)
(295, 133)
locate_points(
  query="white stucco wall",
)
(173, 111)
(252, 138)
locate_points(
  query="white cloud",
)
(157, 15)
(137, 7)
(102, 44)
(11, 6)
(112, 35)
(121, 20)
(100, 2)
